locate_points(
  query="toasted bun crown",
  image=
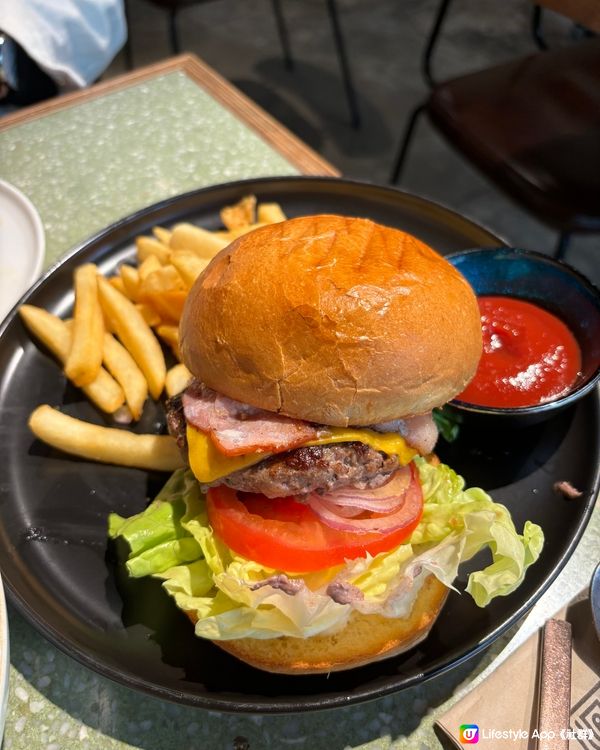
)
(333, 320)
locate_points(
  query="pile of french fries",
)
(111, 348)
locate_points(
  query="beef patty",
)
(319, 468)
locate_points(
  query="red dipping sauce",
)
(529, 355)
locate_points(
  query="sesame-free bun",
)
(332, 320)
(365, 639)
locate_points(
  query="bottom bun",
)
(365, 639)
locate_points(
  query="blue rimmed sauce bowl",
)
(552, 285)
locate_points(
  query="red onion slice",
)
(383, 499)
(411, 505)
(340, 510)
(360, 504)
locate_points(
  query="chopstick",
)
(555, 686)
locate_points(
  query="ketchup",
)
(529, 355)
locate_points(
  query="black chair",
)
(532, 126)
(174, 6)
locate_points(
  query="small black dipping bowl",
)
(552, 285)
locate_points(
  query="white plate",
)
(22, 246)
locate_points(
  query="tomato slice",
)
(287, 535)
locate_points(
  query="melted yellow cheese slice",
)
(209, 464)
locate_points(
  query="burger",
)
(315, 530)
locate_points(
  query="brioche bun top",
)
(334, 320)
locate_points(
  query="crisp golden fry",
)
(149, 314)
(170, 335)
(202, 242)
(49, 329)
(235, 233)
(189, 265)
(118, 284)
(162, 235)
(270, 213)
(121, 364)
(165, 291)
(147, 246)
(177, 379)
(150, 265)
(135, 334)
(106, 444)
(131, 281)
(55, 334)
(105, 392)
(85, 358)
(241, 214)
(128, 305)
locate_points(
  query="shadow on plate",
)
(491, 455)
(83, 697)
(199, 664)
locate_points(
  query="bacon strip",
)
(236, 428)
(419, 432)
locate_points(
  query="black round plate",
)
(54, 556)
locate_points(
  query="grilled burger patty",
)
(176, 423)
(302, 470)
(317, 467)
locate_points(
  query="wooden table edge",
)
(304, 158)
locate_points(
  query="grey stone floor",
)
(385, 39)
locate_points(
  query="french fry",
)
(129, 305)
(170, 335)
(131, 281)
(189, 265)
(85, 357)
(202, 242)
(122, 366)
(135, 334)
(235, 233)
(106, 444)
(49, 329)
(118, 284)
(148, 266)
(270, 213)
(177, 379)
(165, 291)
(105, 392)
(162, 235)
(147, 246)
(54, 333)
(149, 314)
(241, 214)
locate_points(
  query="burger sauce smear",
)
(529, 355)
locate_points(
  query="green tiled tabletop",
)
(88, 165)
(85, 167)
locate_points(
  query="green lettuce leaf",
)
(473, 514)
(232, 597)
(448, 422)
(157, 539)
